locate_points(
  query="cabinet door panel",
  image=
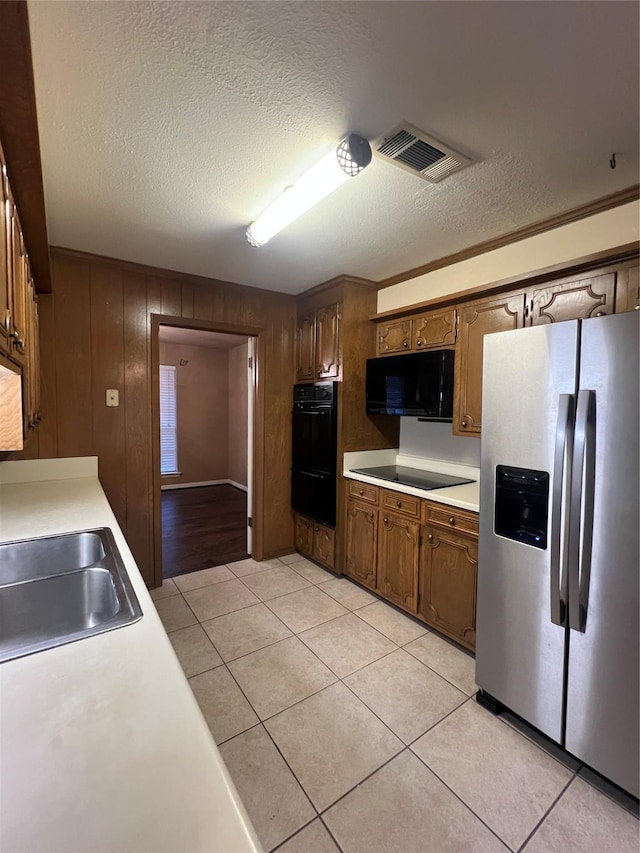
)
(324, 544)
(305, 347)
(449, 564)
(477, 320)
(362, 539)
(328, 342)
(435, 329)
(628, 290)
(394, 337)
(303, 535)
(398, 560)
(591, 296)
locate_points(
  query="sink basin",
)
(41, 558)
(60, 589)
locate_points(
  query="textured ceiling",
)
(199, 338)
(166, 127)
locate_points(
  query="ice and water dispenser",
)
(522, 505)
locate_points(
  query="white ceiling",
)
(199, 338)
(166, 127)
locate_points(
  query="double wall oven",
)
(313, 470)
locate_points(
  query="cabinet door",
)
(324, 544)
(328, 342)
(362, 540)
(305, 347)
(628, 290)
(18, 286)
(5, 256)
(394, 337)
(303, 535)
(435, 329)
(398, 560)
(449, 564)
(591, 296)
(478, 319)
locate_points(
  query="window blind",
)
(168, 420)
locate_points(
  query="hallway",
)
(202, 527)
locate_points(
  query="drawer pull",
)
(430, 536)
(386, 520)
(398, 503)
(452, 520)
(361, 491)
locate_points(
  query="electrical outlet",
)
(113, 397)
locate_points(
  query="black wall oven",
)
(314, 444)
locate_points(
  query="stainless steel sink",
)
(59, 589)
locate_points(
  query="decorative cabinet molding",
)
(318, 344)
(590, 296)
(394, 337)
(361, 548)
(449, 563)
(314, 540)
(398, 559)
(477, 320)
(435, 329)
(422, 556)
(19, 342)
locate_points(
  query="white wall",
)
(435, 441)
(596, 233)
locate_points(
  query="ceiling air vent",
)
(416, 152)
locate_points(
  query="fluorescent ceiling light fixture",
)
(351, 156)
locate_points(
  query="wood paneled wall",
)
(96, 334)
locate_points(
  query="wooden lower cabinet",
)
(398, 560)
(447, 599)
(362, 542)
(315, 540)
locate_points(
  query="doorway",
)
(203, 410)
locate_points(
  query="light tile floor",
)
(348, 726)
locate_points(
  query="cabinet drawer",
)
(363, 492)
(399, 502)
(454, 519)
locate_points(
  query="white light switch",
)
(113, 397)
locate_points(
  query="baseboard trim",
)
(165, 487)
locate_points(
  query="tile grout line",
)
(547, 813)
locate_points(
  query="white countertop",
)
(466, 496)
(102, 744)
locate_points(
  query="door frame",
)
(256, 463)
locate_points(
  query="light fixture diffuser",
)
(351, 156)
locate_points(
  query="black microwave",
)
(415, 385)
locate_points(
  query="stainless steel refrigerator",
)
(559, 557)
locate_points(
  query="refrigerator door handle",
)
(581, 510)
(558, 551)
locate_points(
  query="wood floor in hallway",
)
(202, 527)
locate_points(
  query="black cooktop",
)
(412, 477)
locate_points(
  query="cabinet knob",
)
(430, 536)
(419, 342)
(398, 503)
(452, 520)
(600, 314)
(636, 307)
(405, 343)
(361, 491)
(371, 515)
(464, 424)
(386, 520)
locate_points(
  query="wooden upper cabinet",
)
(305, 347)
(361, 542)
(449, 565)
(399, 559)
(477, 319)
(628, 290)
(588, 296)
(394, 337)
(434, 329)
(328, 342)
